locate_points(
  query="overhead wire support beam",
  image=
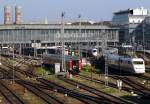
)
(104, 46)
(79, 36)
(143, 30)
(63, 42)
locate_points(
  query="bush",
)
(86, 68)
(97, 71)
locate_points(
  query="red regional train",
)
(72, 63)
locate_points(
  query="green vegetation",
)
(88, 68)
(147, 69)
(97, 71)
(12, 62)
(110, 90)
(31, 99)
(41, 71)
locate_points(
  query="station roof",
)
(52, 26)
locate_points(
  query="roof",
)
(51, 26)
(59, 57)
(124, 11)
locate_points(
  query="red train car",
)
(72, 63)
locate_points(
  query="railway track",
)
(138, 87)
(128, 89)
(103, 82)
(40, 93)
(9, 95)
(105, 96)
(26, 73)
(87, 99)
(144, 76)
(34, 89)
(81, 97)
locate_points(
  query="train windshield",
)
(138, 62)
(75, 64)
(94, 50)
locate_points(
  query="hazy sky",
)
(89, 9)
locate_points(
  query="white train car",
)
(90, 52)
(94, 52)
(127, 64)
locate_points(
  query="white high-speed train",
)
(90, 52)
(94, 52)
(127, 64)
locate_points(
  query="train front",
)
(74, 66)
(138, 65)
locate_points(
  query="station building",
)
(24, 35)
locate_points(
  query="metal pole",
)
(133, 41)
(79, 34)
(104, 46)
(13, 60)
(62, 40)
(143, 38)
(13, 65)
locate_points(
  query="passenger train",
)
(91, 52)
(94, 52)
(72, 63)
(127, 64)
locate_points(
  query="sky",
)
(94, 10)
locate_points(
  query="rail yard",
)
(75, 61)
(25, 79)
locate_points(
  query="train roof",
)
(137, 59)
(59, 56)
(116, 57)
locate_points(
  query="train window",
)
(51, 51)
(121, 61)
(137, 62)
(129, 62)
(75, 63)
(94, 50)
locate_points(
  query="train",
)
(91, 52)
(95, 52)
(126, 64)
(72, 63)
